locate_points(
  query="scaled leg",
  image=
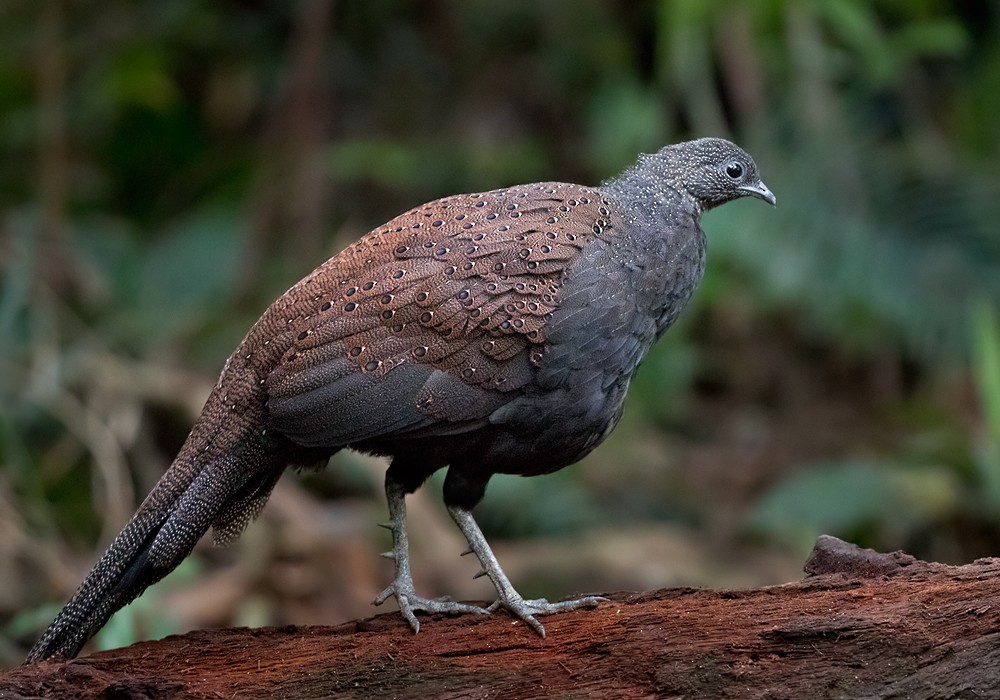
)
(402, 585)
(507, 596)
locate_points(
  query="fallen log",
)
(860, 625)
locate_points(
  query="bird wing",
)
(431, 322)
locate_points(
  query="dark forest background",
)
(168, 168)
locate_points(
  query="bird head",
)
(714, 171)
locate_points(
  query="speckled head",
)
(714, 171)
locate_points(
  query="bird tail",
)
(178, 511)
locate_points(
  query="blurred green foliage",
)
(169, 168)
(986, 355)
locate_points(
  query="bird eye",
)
(734, 170)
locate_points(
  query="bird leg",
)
(507, 596)
(402, 585)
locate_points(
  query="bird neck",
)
(652, 191)
(662, 229)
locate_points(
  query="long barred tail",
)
(164, 530)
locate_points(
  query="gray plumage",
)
(490, 333)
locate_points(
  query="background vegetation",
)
(171, 167)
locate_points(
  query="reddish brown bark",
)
(860, 625)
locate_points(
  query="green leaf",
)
(850, 499)
(986, 367)
(986, 353)
(141, 75)
(930, 38)
(188, 273)
(624, 117)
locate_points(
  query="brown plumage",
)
(463, 285)
(489, 333)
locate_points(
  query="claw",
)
(507, 596)
(534, 624)
(401, 587)
(407, 610)
(409, 602)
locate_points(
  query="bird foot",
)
(526, 610)
(409, 603)
(507, 596)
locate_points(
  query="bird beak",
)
(760, 191)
